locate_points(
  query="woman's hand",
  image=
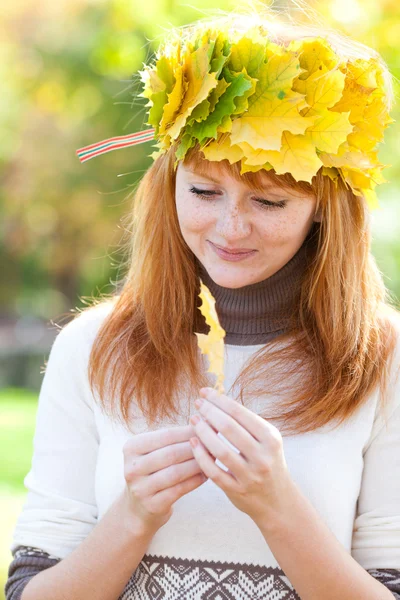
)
(159, 468)
(258, 478)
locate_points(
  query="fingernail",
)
(195, 419)
(198, 402)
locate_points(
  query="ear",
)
(318, 216)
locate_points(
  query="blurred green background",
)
(67, 69)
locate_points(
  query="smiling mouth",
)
(233, 251)
(232, 256)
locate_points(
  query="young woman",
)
(261, 189)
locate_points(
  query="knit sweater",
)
(351, 475)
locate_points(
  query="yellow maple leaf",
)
(361, 170)
(226, 125)
(200, 83)
(212, 344)
(321, 91)
(364, 72)
(376, 111)
(353, 100)
(174, 100)
(315, 55)
(220, 149)
(363, 180)
(156, 154)
(275, 77)
(152, 83)
(217, 92)
(297, 156)
(252, 157)
(351, 158)
(262, 126)
(273, 107)
(331, 172)
(372, 119)
(242, 102)
(248, 54)
(363, 93)
(244, 168)
(330, 131)
(365, 135)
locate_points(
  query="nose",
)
(233, 223)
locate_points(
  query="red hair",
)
(335, 352)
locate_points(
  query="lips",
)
(231, 256)
(234, 251)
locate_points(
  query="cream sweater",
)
(208, 547)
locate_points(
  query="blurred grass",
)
(17, 425)
(17, 422)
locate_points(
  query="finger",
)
(224, 480)
(171, 476)
(164, 457)
(254, 424)
(149, 441)
(173, 493)
(236, 463)
(235, 433)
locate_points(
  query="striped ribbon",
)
(115, 143)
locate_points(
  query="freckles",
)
(193, 216)
(297, 222)
(287, 227)
(277, 233)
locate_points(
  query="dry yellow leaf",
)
(212, 344)
(330, 131)
(251, 157)
(247, 54)
(200, 83)
(297, 156)
(315, 55)
(263, 128)
(221, 150)
(174, 100)
(321, 90)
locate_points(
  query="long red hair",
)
(340, 340)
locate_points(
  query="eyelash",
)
(207, 195)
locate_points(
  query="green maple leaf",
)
(241, 102)
(186, 142)
(220, 55)
(247, 54)
(159, 82)
(239, 84)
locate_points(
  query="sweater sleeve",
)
(390, 578)
(60, 508)
(27, 562)
(376, 531)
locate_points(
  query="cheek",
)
(288, 227)
(192, 216)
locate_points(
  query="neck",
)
(256, 313)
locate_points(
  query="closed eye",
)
(209, 194)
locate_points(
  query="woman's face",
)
(217, 210)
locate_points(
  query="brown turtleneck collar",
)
(256, 313)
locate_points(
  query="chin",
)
(231, 281)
